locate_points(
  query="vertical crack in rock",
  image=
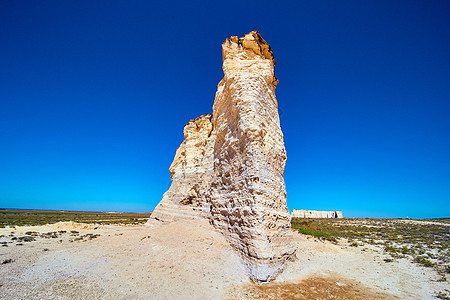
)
(230, 170)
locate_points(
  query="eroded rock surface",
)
(191, 173)
(303, 213)
(230, 170)
(248, 192)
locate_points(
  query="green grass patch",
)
(316, 229)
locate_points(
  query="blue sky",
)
(94, 96)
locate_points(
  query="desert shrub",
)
(26, 239)
(442, 295)
(93, 236)
(390, 249)
(441, 273)
(50, 235)
(423, 261)
(7, 261)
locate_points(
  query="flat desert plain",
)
(190, 260)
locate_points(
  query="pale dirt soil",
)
(189, 260)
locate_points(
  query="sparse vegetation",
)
(443, 296)
(92, 236)
(49, 235)
(7, 261)
(425, 242)
(14, 218)
(423, 261)
(321, 230)
(37, 217)
(26, 239)
(88, 236)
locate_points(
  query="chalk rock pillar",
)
(230, 169)
(248, 195)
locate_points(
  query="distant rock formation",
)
(303, 213)
(230, 168)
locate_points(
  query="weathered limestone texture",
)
(303, 213)
(191, 172)
(230, 170)
(248, 193)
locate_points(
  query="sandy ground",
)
(189, 260)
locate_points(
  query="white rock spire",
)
(231, 170)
